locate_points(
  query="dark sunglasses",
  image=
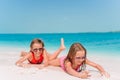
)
(38, 49)
(80, 57)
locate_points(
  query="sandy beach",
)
(95, 24)
(9, 71)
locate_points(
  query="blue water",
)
(108, 43)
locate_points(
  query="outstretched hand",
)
(107, 75)
(85, 74)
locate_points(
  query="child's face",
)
(37, 48)
(79, 57)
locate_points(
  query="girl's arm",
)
(25, 65)
(45, 58)
(72, 72)
(97, 66)
(21, 60)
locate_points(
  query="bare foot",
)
(23, 54)
(62, 47)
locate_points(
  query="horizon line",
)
(62, 32)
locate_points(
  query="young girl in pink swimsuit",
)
(75, 62)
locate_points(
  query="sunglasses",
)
(38, 49)
(80, 57)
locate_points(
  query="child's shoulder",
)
(68, 63)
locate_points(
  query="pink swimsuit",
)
(63, 66)
(62, 62)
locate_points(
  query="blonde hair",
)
(36, 40)
(72, 52)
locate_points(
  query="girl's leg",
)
(56, 53)
(55, 62)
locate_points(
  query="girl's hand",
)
(84, 74)
(107, 75)
(87, 72)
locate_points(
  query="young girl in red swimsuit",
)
(38, 55)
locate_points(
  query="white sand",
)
(9, 71)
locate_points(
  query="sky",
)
(59, 16)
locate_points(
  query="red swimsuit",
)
(34, 61)
(78, 68)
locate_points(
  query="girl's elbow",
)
(68, 71)
(97, 66)
(46, 64)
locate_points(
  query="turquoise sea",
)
(103, 43)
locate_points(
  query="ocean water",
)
(95, 43)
